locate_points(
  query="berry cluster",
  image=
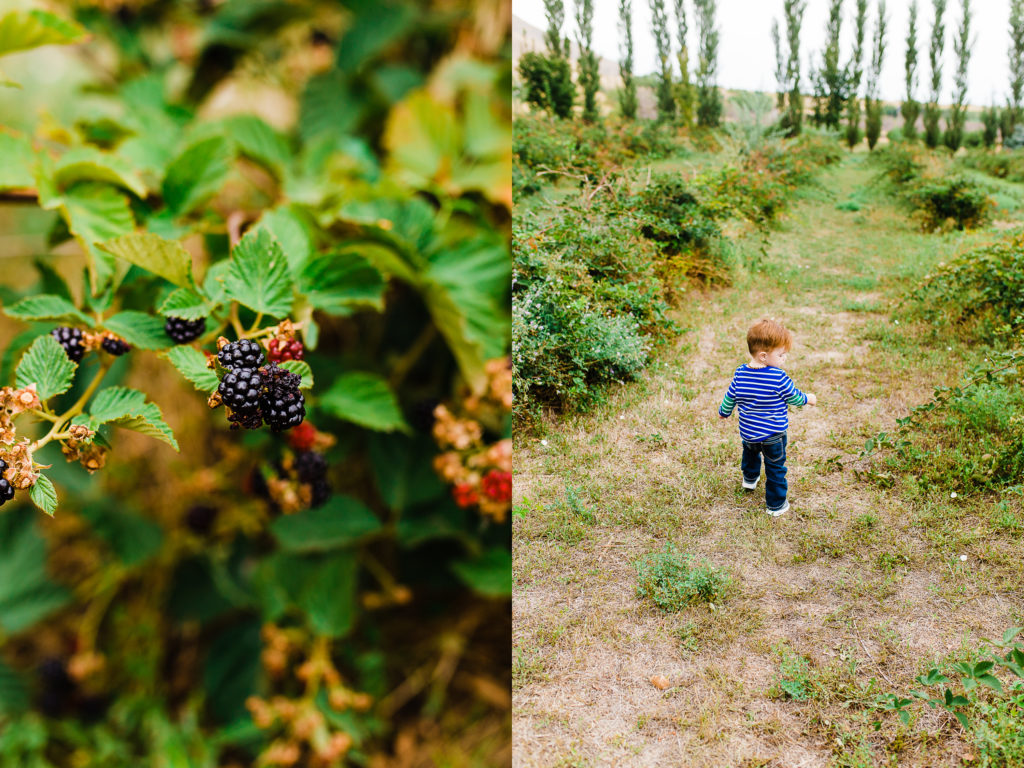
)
(302, 734)
(77, 342)
(279, 350)
(479, 469)
(182, 331)
(255, 393)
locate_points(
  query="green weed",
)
(672, 581)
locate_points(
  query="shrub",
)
(899, 163)
(548, 82)
(949, 202)
(1015, 139)
(896, 134)
(974, 139)
(1001, 165)
(672, 581)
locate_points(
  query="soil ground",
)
(863, 583)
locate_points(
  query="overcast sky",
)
(746, 56)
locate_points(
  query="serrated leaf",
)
(364, 399)
(302, 369)
(328, 595)
(138, 329)
(341, 521)
(23, 30)
(47, 365)
(191, 363)
(490, 574)
(48, 307)
(197, 174)
(94, 214)
(14, 693)
(166, 258)
(44, 495)
(292, 233)
(258, 141)
(127, 408)
(17, 160)
(340, 281)
(186, 304)
(90, 164)
(258, 276)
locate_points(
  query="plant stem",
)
(59, 422)
(236, 322)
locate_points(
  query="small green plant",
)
(672, 580)
(793, 680)
(951, 202)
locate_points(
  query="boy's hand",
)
(811, 399)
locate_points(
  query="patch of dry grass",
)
(863, 582)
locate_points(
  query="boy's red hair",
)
(766, 335)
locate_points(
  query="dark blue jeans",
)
(774, 449)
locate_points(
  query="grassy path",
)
(855, 582)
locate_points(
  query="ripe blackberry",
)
(116, 347)
(183, 331)
(310, 466)
(199, 518)
(279, 350)
(282, 403)
(6, 489)
(71, 340)
(240, 389)
(244, 353)
(56, 687)
(321, 493)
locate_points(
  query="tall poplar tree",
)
(957, 112)
(1016, 53)
(627, 96)
(780, 68)
(554, 10)
(830, 79)
(931, 115)
(589, 77)
(794, 13)
(709, 100)
(910, 107)
(854, 72)
(872, 104)
(684, 90)
(663, 47)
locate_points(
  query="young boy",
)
(762, 390)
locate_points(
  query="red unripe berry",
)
(464, 495)
(279, 350)
(497, 485)
(302, 437)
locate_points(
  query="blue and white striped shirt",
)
(762, 395)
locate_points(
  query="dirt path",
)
(851, 579)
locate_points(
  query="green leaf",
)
(340, 522)
(428, 522)
(48, 307)
(138, 329)
(329, 106)
(17, 161)
(342, 280)
(44, 495)
(191, 363)
(232, 670)
(128, 409)
(255, 139)
(23, 30)
(47, 365)
(328, 596)
(258, 276)
(166, 258)
(404, 471)
(991, 681)
(292, 232)
(94, 214)
(26, 592)
(90, 164)
(302, 368)
(364, 399)
(186, 304)
(197, 174)
(14, 694)
(130, 536)
(490, 574)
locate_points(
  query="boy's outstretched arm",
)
(728, 402)
(793, 396)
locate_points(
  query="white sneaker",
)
(777, 512)
(750, 486)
